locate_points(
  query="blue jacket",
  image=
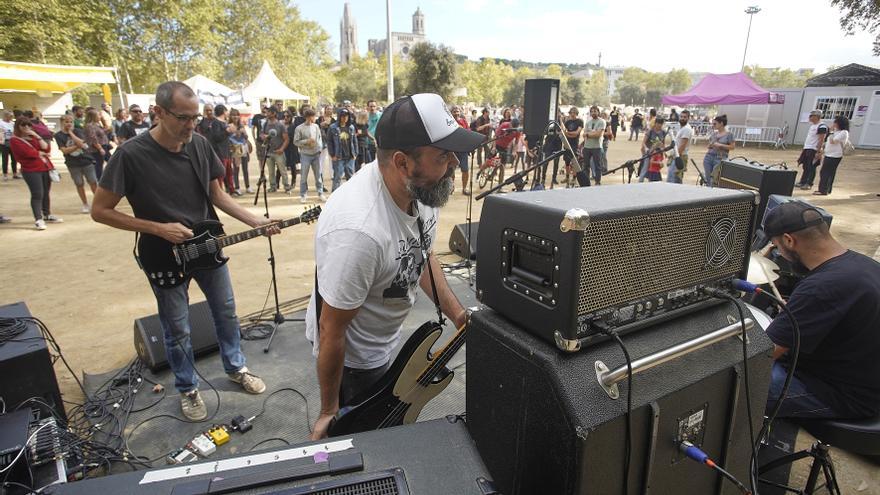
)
(334, 143)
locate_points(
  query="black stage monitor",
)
(540, 104)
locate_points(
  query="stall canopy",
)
(725, 89)
(18, 76)
(210, 92)
(267, 85)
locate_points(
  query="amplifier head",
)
(561, 262)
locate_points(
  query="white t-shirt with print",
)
(369, 256)
(835, 150)
(811, 142)
(7, 128)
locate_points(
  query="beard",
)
(435, 195)
(683, 122)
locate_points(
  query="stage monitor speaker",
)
(432, 457)
(540, 103)
(26, 367)
(543, 423)
(563, 263)
(740, 173)
(149, 340)
(458, 240)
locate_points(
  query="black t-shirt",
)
(78, 158)
(573, 125)
(362, 132)
(160, 185)
(837, 307)
(636, 120)
(615, 117)
(129, 129)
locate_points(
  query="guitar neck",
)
(441, 359)
(250, 234)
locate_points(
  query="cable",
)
(693, 452)
(23, 448)
(602, 327)
(277, 439)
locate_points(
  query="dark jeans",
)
(826, 175)
(593, 162)
(39, 185)
(481, 151)
(356, 381)
(807, 160)
(636, 131)
(7, 156)
(244, 170)
(365, 156)
(799, 403)
(98, 158)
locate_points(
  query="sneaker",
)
(321, 197)
(4, 219)
(193, 406)
(5, 177)
(16, 176)
(250, 382)
(40, 224)
(54, 219)
(250, 190)
(466, 192)
(85, 209)
(302, 199)
(272, 189)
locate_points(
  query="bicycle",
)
(491, 169)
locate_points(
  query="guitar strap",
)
(427, 259)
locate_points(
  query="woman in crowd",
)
(117, 124)
(291, 156)
(721, 143)
(362, 130)
(324, 122)
(96, 138)
(32, 153)
(833, 154)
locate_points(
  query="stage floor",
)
(288, 364)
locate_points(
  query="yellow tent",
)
(18, 76)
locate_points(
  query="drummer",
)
(837, 308)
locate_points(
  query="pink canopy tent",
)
(725, 89)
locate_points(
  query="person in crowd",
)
(171, 179)
(204, 127)
(811, 155)
(298, 119)
(655, 141)
(32, 154)
(683, 140)
(218, 135)
(673, 115)
(39, 126)
(134, 127)
(506, 136)
(635, 125)
(117, 125)
(107, 121)
(151, 115)
(463, 158)
(7, 128)
(837, 309)
(96, 138)
(308, 138)
(615, 122)
(238, 149)
(342, 146)
(375, 115)
(279, 109)
(607, 137)
(721, 143)
(373, 249)
(291, 158)
(483, 125)
(652, 115)
(837, 139)
(552, 144)
(594, 129)
(257, 127)
(79, 117)
(274, 136)
(519, 148)
(362, 130)
(77, 157)
(325, 120)
(573, 128)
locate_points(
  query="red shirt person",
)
(32, 153)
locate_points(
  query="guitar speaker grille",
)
(687, 247)
(381, 486)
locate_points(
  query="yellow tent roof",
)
(18, 76)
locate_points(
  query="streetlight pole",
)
(754, 9)
(389, 52)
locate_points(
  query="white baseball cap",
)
(423, 120)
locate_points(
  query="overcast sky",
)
(706, 35)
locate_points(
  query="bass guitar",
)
(168, 265)
(415, 377)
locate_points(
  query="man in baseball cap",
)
(373, 249)
(837, 309)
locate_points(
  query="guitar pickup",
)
(176, 251)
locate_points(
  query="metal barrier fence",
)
(742, 134)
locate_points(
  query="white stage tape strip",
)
(247, 461)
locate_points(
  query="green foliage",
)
(637, 86)
(597, 89)
(433, 70)
(573, 91)
(487, 81)
(860, 14)
(777, 78)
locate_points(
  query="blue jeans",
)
(799, 403)
(709, 163)
(312, 162)
(593, 160)
(174, 318)
(644, 171)
(341, 167)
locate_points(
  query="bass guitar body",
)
(399, 396)
(169, 265)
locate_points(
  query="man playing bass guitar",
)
(370, 244)
(169, 176)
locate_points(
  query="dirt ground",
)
(79, 277)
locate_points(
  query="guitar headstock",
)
(311, 214)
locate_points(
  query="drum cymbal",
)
(761, 269)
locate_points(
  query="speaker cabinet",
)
(742, 174)
(458, 240)
(149, 340)
(540, 103)
(543, 423)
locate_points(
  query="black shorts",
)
(808, 157)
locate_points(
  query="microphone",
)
(513, 129)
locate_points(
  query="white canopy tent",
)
(213, 93)
(267, 85)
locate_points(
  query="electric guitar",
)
(415, 377)
(169, 265)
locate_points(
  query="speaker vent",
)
(685, 247)
(386, 482)
(383, 486)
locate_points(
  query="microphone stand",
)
(629, 165)
(277, 319)
(517, 177)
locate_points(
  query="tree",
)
(573, 91)
(860, 14)
(630, 94)
(433, 70)
(361, 80)
(678, 81)
(487, 82)
(515, 93)
(597, 89)
(778, 78)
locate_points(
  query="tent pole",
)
(389, 52)
(119, 88)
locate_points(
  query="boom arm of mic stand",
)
(629, 164)
(519, 175)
